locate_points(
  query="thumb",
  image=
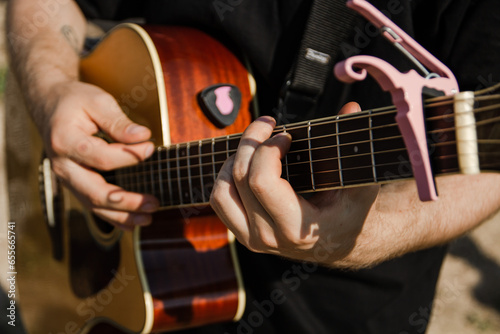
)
(110, 118)
(349, 108)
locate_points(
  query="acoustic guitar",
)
(78, 274)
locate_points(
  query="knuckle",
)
(104, 164)
(294, 241)
(239, 172)
(59, 169)
(103, 101)
(257, 183)
(267, 241)
(57, 144)
(254, 245)
(214, 199)
(95, 200)
(217, 196)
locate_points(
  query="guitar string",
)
(322, 185)
(298, 126)
(138, 173)
(135, 170)
(224, 153)
(225, 139)
(379, 165)
(175, 202)
(335, 119)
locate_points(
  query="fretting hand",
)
(266, 214)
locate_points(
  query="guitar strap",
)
(330, 23)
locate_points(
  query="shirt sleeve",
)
(111, 9)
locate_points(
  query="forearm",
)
(44, 40)
(399, 223)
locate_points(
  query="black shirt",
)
(396, 296)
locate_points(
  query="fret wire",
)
(189, 173)
(227, 147)
(341, 176)
(139, 188)
(213, 160)
(178, 174)
(310, 157)
(286, 159)
(153, 188)
(129, 176)
(134, 179)
(119, 176)
(200, 163)
(169, 177)
(374, 170)
(144, 176)
(160, 178)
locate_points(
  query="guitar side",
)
(179, 272)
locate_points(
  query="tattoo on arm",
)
(70, 35)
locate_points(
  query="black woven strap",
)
(329, 24)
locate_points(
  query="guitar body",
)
(77, 274)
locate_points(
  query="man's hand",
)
(74, 112)
(68, 113)
(265, 213)
(347, 228)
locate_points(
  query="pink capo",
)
(405, 89)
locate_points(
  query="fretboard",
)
(330, 153)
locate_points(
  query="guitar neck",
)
(336, 152)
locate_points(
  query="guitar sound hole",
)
(103, 226)
(92, 266)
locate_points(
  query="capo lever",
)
(405, 88)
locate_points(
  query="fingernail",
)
(283, 134)
(149, 150)
(149, 207)
(134, 129)
(115, 197)
(266, 119)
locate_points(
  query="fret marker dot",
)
(355, 149)
(298, 157)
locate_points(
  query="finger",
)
(275, 194)
(261, 234)
(94, 192)
(109, 117)
(256, 133)
(97, 153)
(349, 108)
(227, 204)
(124, 220)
